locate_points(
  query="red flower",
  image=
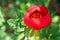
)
(37, 17)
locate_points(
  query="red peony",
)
(37, 17)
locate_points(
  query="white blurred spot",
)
(55, 19)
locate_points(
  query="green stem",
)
(37, 35)
(32, 33)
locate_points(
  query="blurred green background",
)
(12, 26)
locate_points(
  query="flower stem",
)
(32, 33)
(37, 35)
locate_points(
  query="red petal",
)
(43, 9)
(33, 8)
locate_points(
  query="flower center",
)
(37, 14)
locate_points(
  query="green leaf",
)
(20, 36)
(23, 6)
(44, 33)
(53, 13)
(1, 17)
